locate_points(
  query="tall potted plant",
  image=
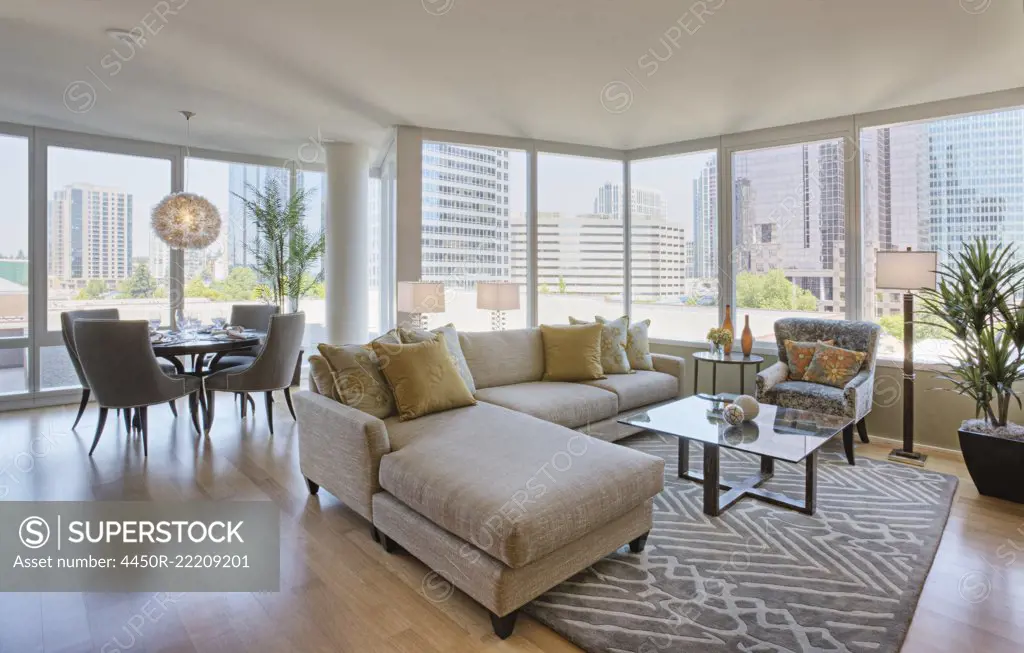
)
(285, 248)
(977, 304)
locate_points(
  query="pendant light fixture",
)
(186, 220)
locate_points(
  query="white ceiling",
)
(265, 77)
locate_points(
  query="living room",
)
(470, 327)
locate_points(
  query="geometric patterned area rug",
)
(759, 577)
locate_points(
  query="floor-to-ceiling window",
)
(474, 228)
(936, 185)
(15, 273)
(100, 249)
(221, 275)
(580, 238)
(674, 244)
(789, 234)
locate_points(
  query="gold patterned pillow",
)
(358, 381)
(424, 379)
(613, 344)
(800, 355)
(323, 376)
(572, 353)
(834, 366)
(451, 339)
(638, 345)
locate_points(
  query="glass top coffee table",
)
(775, 434)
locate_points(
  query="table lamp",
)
(497, 297)
(418, 298)
(907, 271)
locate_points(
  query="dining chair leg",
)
(193, 406)
(143, 414)
(99, 430)
(174, 409)
(81, 406)
(209, 411)
(270, 410)
(128, 420)
(288, 400)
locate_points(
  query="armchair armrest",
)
(340, 449)
(770, 377)
(671, 365)
(858, 394)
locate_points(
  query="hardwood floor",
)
(339, 590)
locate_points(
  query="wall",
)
(937, 413)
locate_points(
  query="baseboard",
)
(923, 448)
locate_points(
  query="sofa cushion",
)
(640, 388)
(423, 377)
(503, 357)
(568, 404)
(807, 396)
(516, 487)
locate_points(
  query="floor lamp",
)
(907, 271)
(497, 297)
(417, 298)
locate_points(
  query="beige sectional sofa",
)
(503, 499)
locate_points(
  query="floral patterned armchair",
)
(854, 400)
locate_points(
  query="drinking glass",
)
(219, 322)
(154, 323)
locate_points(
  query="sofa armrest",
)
(340, 449)
(671, 365)
(770, 377)
(858, 394)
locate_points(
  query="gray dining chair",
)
(118, 362)
(67, 321)
(254, 317)
(273, 369)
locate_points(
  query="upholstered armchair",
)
(854, 400)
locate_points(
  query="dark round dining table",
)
(204, 344)
(177, 345)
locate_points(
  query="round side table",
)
(734, 358)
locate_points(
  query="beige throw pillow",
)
(323, 376)
(638, 345)
(613, 344)
(423, 378)
(572, 353)
(451, 339)
(358, 381)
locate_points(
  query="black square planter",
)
(996, 464)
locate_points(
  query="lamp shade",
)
(905, 270)
(497, 296)
(420, 297)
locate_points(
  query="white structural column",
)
(347, 263)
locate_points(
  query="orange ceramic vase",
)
(727, 324)
(748, 337)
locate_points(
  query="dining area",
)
(129, 366)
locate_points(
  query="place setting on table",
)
(195, 340)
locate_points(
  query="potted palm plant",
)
(285, 248)
(977, 304)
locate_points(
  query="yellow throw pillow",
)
(572, 353)
(834, 366)
(322, 375)
(451, 339)
(423, 378)
(800, 355)
(357, 379)
(613, 345)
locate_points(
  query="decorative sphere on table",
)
(733, 414)
(748, 404)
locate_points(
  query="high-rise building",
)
(465, 235)
(90, 235)
(583, 254)
(705, 222)
(644, 202)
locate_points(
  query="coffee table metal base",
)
(716, 501)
